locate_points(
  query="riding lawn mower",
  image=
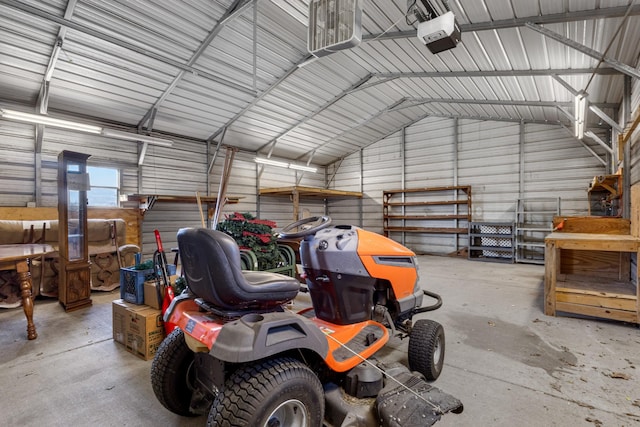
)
(242, 355)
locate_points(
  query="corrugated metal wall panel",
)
(167, 218)
(382, 169)
(177, 172)
(17, 175)
(557, 165)
(346, 175)
(430, 155)
(489, 161)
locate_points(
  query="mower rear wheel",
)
(426, 348)
(172, 374)
(273, 393)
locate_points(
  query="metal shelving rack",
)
(491, 241)
(534, 220)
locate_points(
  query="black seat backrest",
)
(210, 263)
(211, 266)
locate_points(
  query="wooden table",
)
(16, 257)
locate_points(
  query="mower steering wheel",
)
(287, 232)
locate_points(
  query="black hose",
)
(433, 307)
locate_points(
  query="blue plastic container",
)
(132, 284)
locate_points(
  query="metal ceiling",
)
(206, 69)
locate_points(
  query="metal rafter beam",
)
(555, 18)
(419, 101)
(236, 9)
(495, 119)
(605, 117)
(356, 126)
(259, 97)
(501, 73)
(584, 144)
(614, 63)
(599, 140)
(315, 112)
(565, 85)
(49, 17)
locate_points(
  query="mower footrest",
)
(413, 402)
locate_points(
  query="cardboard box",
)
(151, 295)
(121, 309)
(145, 332)
(138, 327)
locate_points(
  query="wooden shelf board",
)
(607, 313)
(588, 241)
(308, 192)
(465, 188)
(590, 285)
(443, 230)
(628, 304)
(425, 217)
(431, 203)
(593, 224)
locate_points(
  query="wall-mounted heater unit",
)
(334, 25)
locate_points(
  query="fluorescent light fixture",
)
(271, 162)
(580, 113)
(48, 121)
(52, 62)
(66, 124)
(303, 168)
(135, 137)
(283, 164)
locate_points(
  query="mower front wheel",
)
(278, 392)
(426, 348)
(172, 374)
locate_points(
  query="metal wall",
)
(498, 159)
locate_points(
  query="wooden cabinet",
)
(74, 277)
(444, 210)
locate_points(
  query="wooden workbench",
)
(590, 274)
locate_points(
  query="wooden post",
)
(551, 267)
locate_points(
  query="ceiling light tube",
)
(580, 112)
(303, 168)
(271, 162)
(52, 62)
(48, 121)
(135, 137)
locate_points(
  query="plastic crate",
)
(171, 269)
(132, 284)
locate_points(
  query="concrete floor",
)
(509, 363)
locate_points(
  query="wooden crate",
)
(590, 273)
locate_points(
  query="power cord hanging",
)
(435, 407)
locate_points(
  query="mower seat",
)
(211, 266)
